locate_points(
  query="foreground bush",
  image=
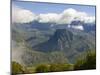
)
(88, 62)
(42, 68)
(53, 68)
(17, 68)
(60, 67)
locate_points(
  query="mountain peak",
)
(59, 41)
(64, 40)
(62, 34)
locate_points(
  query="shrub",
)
(53, 68)
(42, 68)
(16, 68)
(88, 62)
(60, 67)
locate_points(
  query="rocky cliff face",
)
(64, 40)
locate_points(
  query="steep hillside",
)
(65, 40)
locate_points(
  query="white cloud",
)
(50, 17)
(90, 19)
(20, 15)
(79, 27)
(66, 17)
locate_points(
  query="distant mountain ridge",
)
(47, 42)
(45, 26)
(63, 40)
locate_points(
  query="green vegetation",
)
(53, 68)
(87, 62)
(16, 68)
(42, 68)
(60, 67)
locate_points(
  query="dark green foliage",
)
(16, 68)
(42, 68)
(53, 68)
(87, 62)
(60, 67)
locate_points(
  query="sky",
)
(38, 7)
(24, 12)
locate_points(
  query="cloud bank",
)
(20, 15)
